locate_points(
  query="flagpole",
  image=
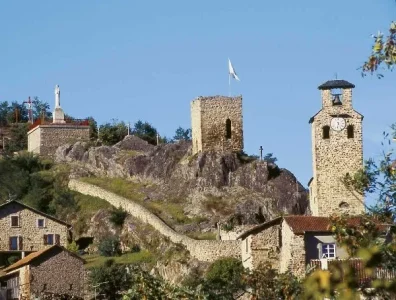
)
(229, 84)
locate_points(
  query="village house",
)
(52, 271)
(24, 229)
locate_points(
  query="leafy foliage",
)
(182, 134)
(269, 157)
(109, 246)
(112, 133)
(118, 216)
(109, 279)
(145, 131)
(383, 52)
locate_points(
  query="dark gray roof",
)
(336, 84)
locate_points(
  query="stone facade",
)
(216, 124)
(335, 155)
(27, 234)
(45, 139)
(204, 250)
(55, 270)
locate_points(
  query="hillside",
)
(189, 192)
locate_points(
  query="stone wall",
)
(333, 158)
(204, 250)
(208, 120)
(32, 235)
(286, 251)
(297, 256)
(50, 137)
(265, 247)
(58, 272)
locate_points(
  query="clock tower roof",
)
(336, 84)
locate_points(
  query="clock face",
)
(337, 124)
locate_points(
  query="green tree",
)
(182, 134)
(145, 131)
(109, 246)
(18, 138)
(110, 278)
(40, 108)
(93, 129)
(270, 158)
(112, 133)
(383, 52)
(224, 278)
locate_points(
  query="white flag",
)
(231, 70)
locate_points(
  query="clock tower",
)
(337, 149)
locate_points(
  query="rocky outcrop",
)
(255, 190)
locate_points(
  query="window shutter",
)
(20, 243)
(57, 239)
(45, 239)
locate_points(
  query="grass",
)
(122, 187)
(170, 211)
(217, 204)
(96, 260)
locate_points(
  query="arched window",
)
(228, 129)
(326, 132)
(350, 132)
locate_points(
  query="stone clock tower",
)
(336, 150)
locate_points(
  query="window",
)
(40, 223)
(14, 221)
(328, 251)
(51, 239)
(228, 129)
(15, 243)
(247, 245)
(350, 132)
(326, 132)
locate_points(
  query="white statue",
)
(57, 96)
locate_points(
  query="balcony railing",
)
(357, 265)
(74, 122)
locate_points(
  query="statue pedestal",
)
(58, 116)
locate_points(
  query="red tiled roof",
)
(301, 224)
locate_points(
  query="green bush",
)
(110, 246)
(72, 247)
(118, 216)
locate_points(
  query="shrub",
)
(118, 216)
(110, 246)
(13, 259)
(72, 247)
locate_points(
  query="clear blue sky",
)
(131, 60)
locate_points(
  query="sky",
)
(147, 60)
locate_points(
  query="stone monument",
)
(58, 116)
(45, 137)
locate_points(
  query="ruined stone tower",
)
(216, 124)
(336, 150)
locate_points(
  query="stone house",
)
(24, 229)
(51, 271)
(290, 243)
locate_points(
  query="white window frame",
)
(326, 247)
(37, 223)
(19, 220)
